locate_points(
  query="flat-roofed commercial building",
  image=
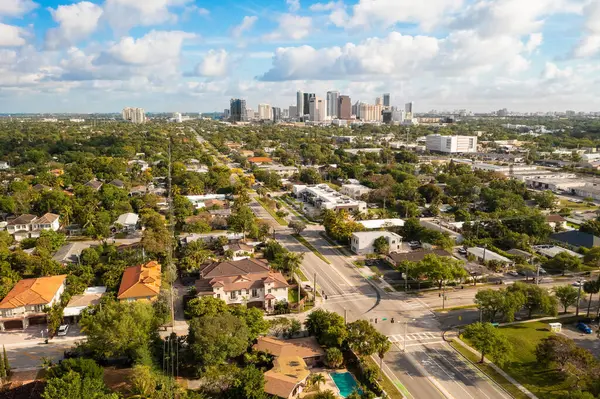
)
(451, 144)
(323, 197)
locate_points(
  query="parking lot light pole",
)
(578, 297)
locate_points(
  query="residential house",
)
(239, 251)
(485, 255)
(94, 184)
(91, 296)
(31, 226)
(138, 191)
(128, 222)
(143, 165)
(4, 165)
(355, 191)
(247, 281)
(141, 282)
(550, 251)
(556, 221)
(259, 160)
(363, 242)
(376, 224)
(25, 303)
(287, 378)
(117, 183)
(199, 201)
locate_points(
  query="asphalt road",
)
(429, 369)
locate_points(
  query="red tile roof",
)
(260, 160)
(140, 281)
(33, 291)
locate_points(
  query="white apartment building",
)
(355, 191)
(317, 109)
(134, 115)
(333, 100)
(451, 144)
(362, 243)
(265, 112)
(322, 197)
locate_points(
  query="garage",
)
(37, 320)
(13, 325)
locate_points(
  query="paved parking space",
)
(586, 341)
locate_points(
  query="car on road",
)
(462, 251)
(62, 330)
(584, 328)
(513, 273)
(578, 283)
(414, 244)
(308, 288)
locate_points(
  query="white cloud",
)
(154, 48)
(123, 15)
(387, 13)
(590, 44)
(292, 27)
(11, 36)
(293, 5)
(77, 21)
(552, 71)
(535, 41)
(16, 8)
(246, 24)
(319, 7)
(214, 64)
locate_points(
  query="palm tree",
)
(591, 287)
(383, 344)
(292, 261)
(317, 379)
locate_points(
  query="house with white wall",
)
(31, 226)
(363, 242)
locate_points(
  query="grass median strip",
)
(390, 387)
(489, 371)
(335, 245)
(279, 220)
(308, 245)
(472, 306)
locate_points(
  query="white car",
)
(578, 283)
(62, 330)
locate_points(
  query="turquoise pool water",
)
(345, 382)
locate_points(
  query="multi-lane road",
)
(422, 367)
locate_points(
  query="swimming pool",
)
(345, 382)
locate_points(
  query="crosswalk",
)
(415, 337)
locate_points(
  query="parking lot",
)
(586, 341)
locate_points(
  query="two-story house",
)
(25, 303)
(30, 226)
(141, 282)
(246, 281)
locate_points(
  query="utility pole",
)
(345, 316)
(578, 297)
(172, 226)
(315, 280)
(406, 278)
(443, 296)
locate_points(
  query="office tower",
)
(356, 109)
(386, 100)
(378, 101)
(226, 113)
(264, 112)
(369, 112)
(293, 111)
(408, 108)
(299, 104)
(237, 110)
(276, 114)
(177, 117)
(306, 102)
(134, 115)
(333, 104)
(317, 109)
(344, 108)
(451, 144)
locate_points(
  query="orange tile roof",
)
(301, 347)
(33, 291)
(140, 281)
(286, 374)
(259, 160)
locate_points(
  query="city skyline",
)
(194, 56)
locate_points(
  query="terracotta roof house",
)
(141, 282)
(249, 281)
(259, 160)
(30, 226)
(26, 301)
(291, 365)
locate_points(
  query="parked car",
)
(308, 288)
(514, 273)
(578, 283)
(462, 251)
(584, 328)
(414, 244)
(62, 330)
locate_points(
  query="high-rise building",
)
(378, 101)
(177, 117)
(299, 104)
(276, 114)
(369, 112)
(293, 111)
(451, 144)
(238, 111)
(386, 100)
(333, 104)
(344, 108)
(226, 113)
(134, 115)
(317, 109)
(264, 112)
(408, 108)
(306, 102)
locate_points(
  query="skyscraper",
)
(293, 111)
(299, 104)
(134, 115)
(276, 114)
(408, 108)
(386, 100)
(306, 102)
(378, 101)
(237, 108)
(264, 112)
(333, 104)
(344, 108)
(317, 109)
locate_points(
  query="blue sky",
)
(194, 55)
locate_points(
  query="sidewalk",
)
(492, 365)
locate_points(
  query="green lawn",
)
(575, 206)
(308, 245)
(335, 245)
(456, 308)
(489, 371)
(271, 212)
(391, 388)
(293, 295)
(522, 365)
(301, 275)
